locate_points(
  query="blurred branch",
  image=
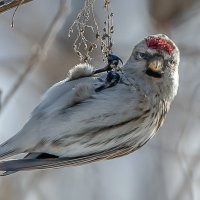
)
(4, 6)
(41, 49)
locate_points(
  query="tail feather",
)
(7, 173)
(7, 151)
(12, 166)
(29, 156)
(44, 162)
(11, 147)
(31, 164)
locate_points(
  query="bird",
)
(79, 122)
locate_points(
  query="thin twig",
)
(12, 24)
(12, 4)
(39, 55)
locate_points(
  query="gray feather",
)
(13, 166)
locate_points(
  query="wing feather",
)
(31, 164)
(69, 121)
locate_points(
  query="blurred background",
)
(37, 52)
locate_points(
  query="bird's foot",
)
(113, 62)
(111, 80)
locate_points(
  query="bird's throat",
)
(154, 74)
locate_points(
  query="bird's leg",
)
(111, 80)
(112, 77)
(113, 62)
(104, 69)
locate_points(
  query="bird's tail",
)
(8, 149)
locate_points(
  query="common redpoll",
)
(77, 123)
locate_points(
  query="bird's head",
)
(155, 60)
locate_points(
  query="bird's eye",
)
(171, 62)
(140, 55)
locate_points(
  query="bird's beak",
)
(156, 64)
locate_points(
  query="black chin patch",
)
(154, 74)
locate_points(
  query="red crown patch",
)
(160, 44)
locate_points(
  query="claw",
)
(113, 62)
(111, 80)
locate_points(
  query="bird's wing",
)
(62, 91)
(77, 133)
(13, 166)
(77, 119)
